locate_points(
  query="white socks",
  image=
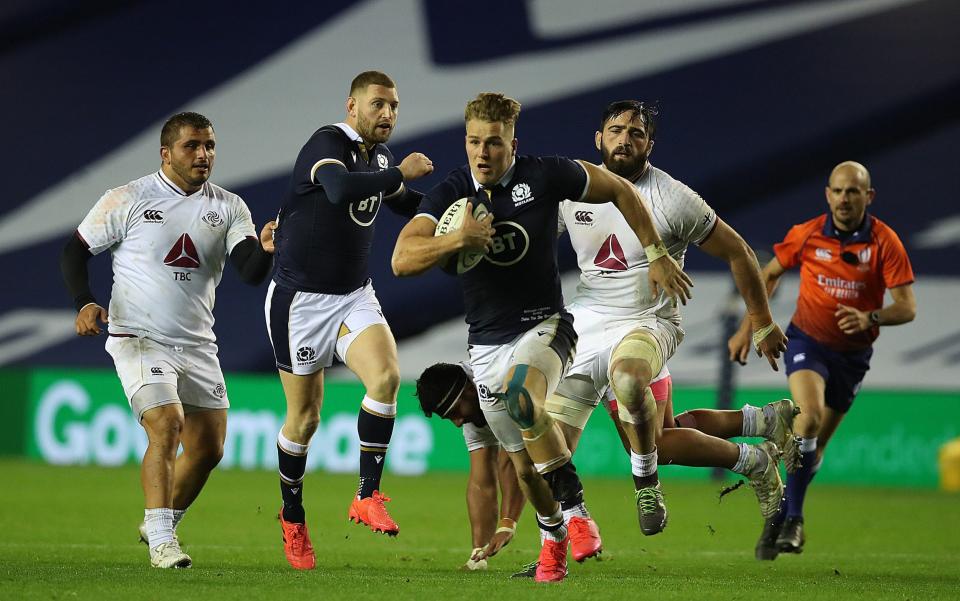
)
(752, 420)
(643, 465)
(159, 524)
(577, 511)
(556, 535)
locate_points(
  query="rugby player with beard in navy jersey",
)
(521, 340)
(321, 303)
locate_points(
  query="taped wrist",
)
(762, 333)
(655, 251)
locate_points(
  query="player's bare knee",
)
(209, 455)
(301, 427)
(807, 424)
(384, 385)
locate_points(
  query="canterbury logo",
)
(183, 254)
(156, 371)
(153, 216)
(610, 256)
(583, 216)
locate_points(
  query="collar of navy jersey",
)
(353, 135)
(861, 234)
(166, 180)
(503, 181)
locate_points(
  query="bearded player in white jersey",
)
(628, 332)
(169, 234)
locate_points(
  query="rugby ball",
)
(450, 221)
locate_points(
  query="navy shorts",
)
(842, 371)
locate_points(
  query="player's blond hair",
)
(493, 107)
(370, 78)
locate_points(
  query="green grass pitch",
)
(70, 533)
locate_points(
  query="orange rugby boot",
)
(297, 545)
(372, 512)
(584, 538)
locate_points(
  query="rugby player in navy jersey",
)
(321, 303)
(521, 340)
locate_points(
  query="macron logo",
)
(611, 257)
(183, 254)
(378, 458)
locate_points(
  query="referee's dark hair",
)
(437, 385)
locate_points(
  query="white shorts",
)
(549, 347)
(304, 327)
(479, 437)
(588, 379)
(193, 370)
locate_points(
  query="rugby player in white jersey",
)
(169, 234)
(627, 332)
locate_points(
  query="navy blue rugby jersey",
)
(321, 246)
(516, 285)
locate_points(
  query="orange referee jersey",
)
(856, 273)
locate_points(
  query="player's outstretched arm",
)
(740, 343)
(726, 244)
(665, 273)
(417, 249)
(511, 505)
(73, 267)
(481, 502)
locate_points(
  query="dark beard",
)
(368, 131)
(629, 169)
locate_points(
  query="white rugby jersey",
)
(613, 266)
(168, 250)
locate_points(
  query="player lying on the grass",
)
(627, 334)
(448, 391)
(521, 338)
(170, 234)
(847, 260)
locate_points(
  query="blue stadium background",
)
(759, 100)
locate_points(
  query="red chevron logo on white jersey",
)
(183, 254)
(611, 257)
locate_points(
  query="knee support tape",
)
(639, 345)
(571, 412)
(519, 409)
(545, 444)
(625, 414)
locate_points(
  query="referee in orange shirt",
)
(847, 259)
